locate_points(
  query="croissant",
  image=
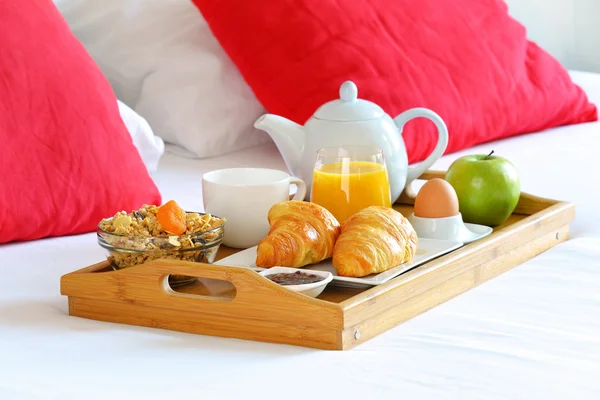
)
(374, 240)
(301, 233)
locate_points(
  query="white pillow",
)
(150, 147)
(162, 60)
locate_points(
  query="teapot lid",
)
(349, 107)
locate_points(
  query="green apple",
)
(488, 188)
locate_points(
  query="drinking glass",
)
(347, 179)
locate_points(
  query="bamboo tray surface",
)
(237, 302)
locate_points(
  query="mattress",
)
(531, 333)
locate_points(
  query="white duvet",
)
(532, 333)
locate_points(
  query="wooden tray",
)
(239, 303)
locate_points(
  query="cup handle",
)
(301, 191)
(438, 151)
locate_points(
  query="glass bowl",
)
(128, 250)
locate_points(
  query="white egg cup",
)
(448, 228)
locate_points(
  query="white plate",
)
(427, 250)
(476, 232)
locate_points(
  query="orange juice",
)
(345, 188)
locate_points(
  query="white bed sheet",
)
(531, 333)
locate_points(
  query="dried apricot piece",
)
(171, 217)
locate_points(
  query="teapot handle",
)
(418, 170)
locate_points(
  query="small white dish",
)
(449, 228)
(309, 289)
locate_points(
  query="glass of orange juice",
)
(349, 178)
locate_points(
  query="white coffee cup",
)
(244, 196)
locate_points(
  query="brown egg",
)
(436, 199)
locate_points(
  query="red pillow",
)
(66, 158)
(467, 60)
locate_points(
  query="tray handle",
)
(155, 274)
(147, 284)
(205, 271)
(164, 267)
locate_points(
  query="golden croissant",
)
(374, 240)
(301, 233)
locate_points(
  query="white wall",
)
(568, 29)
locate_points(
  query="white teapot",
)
(350, 121)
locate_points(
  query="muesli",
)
(150, 233)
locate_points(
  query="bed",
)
(530, 333)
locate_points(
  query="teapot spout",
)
(288, 137)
